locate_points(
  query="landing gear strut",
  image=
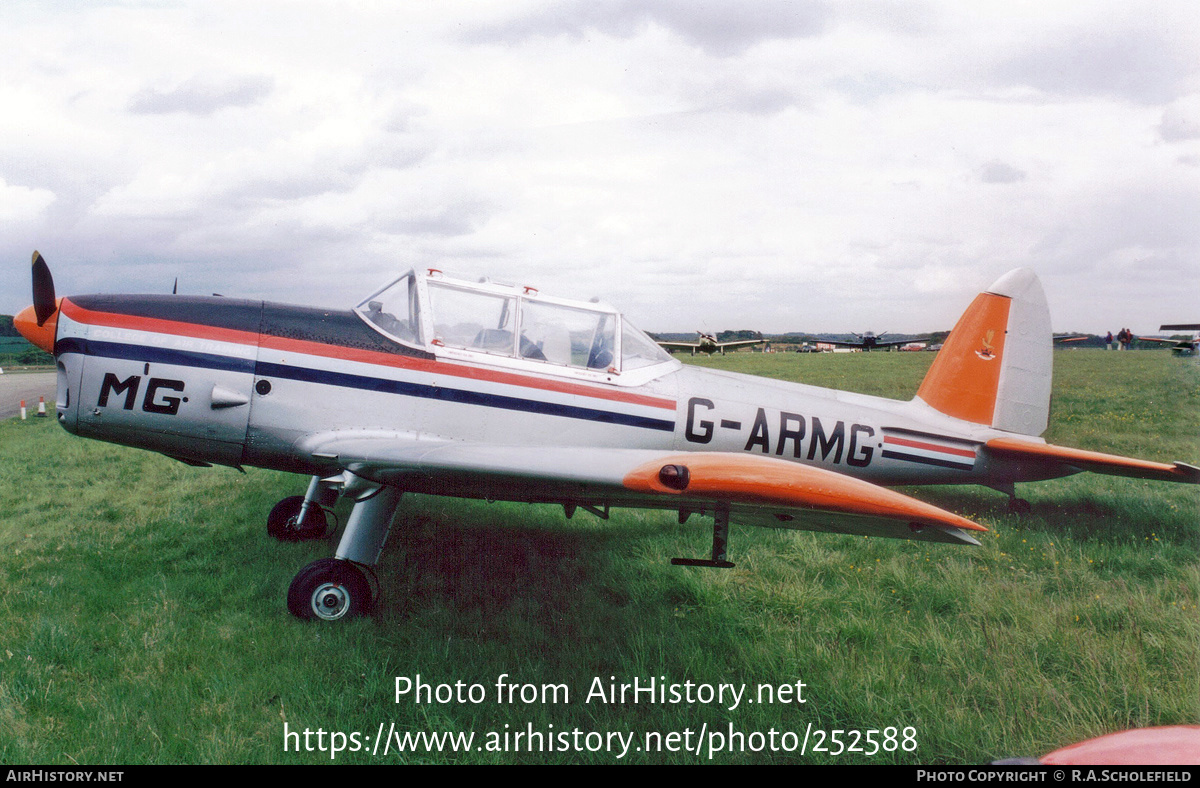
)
(332, 589)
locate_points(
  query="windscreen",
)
(394, 311)
(639, 350)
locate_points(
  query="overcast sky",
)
(767, 164)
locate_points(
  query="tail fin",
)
(995, 367)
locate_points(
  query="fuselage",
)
(234, 382)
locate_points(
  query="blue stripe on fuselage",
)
(188, 358)
(461, 396)
(154, 355)
(937, 463)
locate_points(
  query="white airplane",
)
(868, 341)
(475, 389)
(708, 343)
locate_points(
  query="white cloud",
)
(21, 204)
(198, 96)
(1181, 119)
(777, 165)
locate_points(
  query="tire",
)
(329, 590)
(1020, 506)
(281, 522)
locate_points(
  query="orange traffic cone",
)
(42, 407)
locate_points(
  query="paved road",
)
(15, 387)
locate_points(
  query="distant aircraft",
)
(1180, 347)
(868, 341)
(474, 389)
(708, 344)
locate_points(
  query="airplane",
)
(439, 385)
(868, 341)
(1179, 347)
(708, 344)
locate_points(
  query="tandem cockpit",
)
(513, 326)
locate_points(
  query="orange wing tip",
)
(769, 482)
(1095, 461)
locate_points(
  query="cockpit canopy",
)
(431, 310)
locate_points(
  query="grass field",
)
(143, 620)
(16, 351)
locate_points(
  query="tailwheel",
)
(1019, 505)
(285, 523)
(329, 590)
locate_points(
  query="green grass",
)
(142, 619)
(16, 351)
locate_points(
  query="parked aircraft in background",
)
(1180, 347)
(708, 343)
(474, 389)
(869, 341)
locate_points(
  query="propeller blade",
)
(44, 303)
(175, 288)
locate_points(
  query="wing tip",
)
(1190, 473)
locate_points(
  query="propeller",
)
(44, 303)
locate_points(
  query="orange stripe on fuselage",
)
(200, 331)
(892, 439)
(157, 325)
(965, 376)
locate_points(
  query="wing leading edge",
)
(758, 491)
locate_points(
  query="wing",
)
(679, 345)
(893, 342)
(1094, 461)
(740, 343)
(878, 343)
(1182, 343)
(758, 490)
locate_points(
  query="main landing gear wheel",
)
(329, 590)
(281, 522)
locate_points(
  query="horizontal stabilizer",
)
(1094, 461)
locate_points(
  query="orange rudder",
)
(995, 366)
